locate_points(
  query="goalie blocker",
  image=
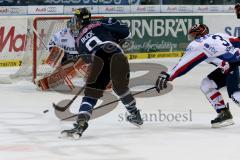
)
(55, 57)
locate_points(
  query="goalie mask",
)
(72, 24)
(83, 17)
(237, 10)
(197, 31)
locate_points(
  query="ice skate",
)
(78, 128)
(135, 118)
(76, 132)
(223, 119)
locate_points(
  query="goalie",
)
(64, 58)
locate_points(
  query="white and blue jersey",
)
(65, 39)
(207, 48)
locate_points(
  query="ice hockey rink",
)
(29, 134)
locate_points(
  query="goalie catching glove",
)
(161, 82)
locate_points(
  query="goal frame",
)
(35, 38)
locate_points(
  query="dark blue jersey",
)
(97, 33)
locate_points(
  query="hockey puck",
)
(45, 111)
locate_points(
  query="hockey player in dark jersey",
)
(101, 41)
(237, 10)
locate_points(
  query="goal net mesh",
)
(40, 31)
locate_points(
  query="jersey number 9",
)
(93, 42)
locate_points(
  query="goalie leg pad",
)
(81, 67)
(69, 70)
(50, 81)
(58, 77)
(43, 84)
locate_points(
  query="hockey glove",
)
(224, 66)
(161, 82)
(125, 43)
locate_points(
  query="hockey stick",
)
(39, 37)
(101, 106)
(64, 108)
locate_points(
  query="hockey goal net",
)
(40, 31)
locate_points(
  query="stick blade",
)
(62, 105)
(57, 107)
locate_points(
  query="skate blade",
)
(136, 124)
(75, 136)
(223, 124)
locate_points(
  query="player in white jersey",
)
(216, 48)
(64, 58)
(65, 38)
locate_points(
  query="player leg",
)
(210, 87)
(232, 83)
(120, 73)
(83, 117)
(96, 82)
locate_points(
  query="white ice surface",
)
(28, 134)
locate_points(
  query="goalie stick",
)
(39, 37)
(64, 108)
(101, 106)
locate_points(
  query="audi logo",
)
(51, 9)
(14, 10)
